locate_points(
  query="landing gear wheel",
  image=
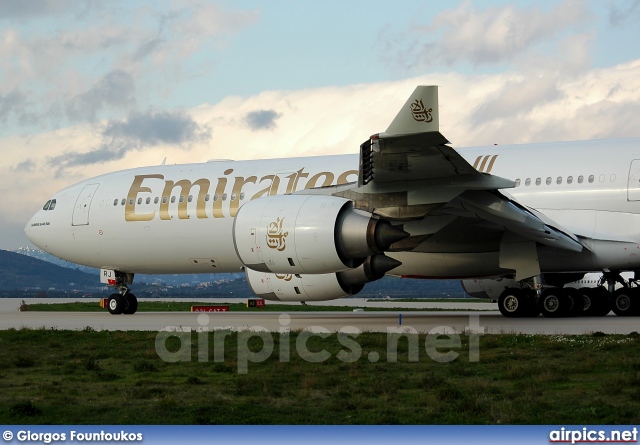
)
(575, 302)
(553, 303)
(513, 303)
(599, 302)
(624, 302)
(131, 304)
(588, 302)
(116, 304)
(533, 310)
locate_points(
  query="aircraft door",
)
(83, 205)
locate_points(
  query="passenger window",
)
(559, 180)
(538, 181)
(206, 198)
(164, 199)
(190, 198)
(115, 202)
(569, 179)
(591, 178)
(215, 197)
(224, 196)
(233, 196)
(123, 201)
(139, 201)
(549, 180)
(181, 198)
(601, 178)
(580, 179)
(131, 201)
(527, 181)
(46, 206)
(173, 199)
(612, 178)
(52, 205)
(155, 201)
(242, 194)
(148, 201)
(517, 185)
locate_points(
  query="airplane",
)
(407, 205)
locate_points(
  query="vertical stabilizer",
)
(419, 114)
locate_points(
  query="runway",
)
(487, 322)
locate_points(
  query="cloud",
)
(147, 48)
(261, 119)
(116, 89)
(516, 96)
(26, 166)
(484, 37)
(11, 103)
(102, 154)
(10, 9)
(204, 19)
(98, 57)
(158, 127)
(140, 131)
(619, 15)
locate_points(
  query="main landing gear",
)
(626, 300)
(123, 302)
(556, 302)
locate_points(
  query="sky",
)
(90, 87)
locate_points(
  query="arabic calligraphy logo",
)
(276, 239)
(420, 113)
(285, 277)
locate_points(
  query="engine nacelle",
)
(308, 234)
(295, 287)
(487, 287)
(319, 287)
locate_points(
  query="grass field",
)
(89, 377)
(178, 306)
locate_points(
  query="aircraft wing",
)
(495, 207)
(408, 172)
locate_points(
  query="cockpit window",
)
(50, 205)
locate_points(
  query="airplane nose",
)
(28, 229)
(34, 235)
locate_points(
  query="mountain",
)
(20, 272)
(171, 280)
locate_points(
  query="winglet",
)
(419, 114)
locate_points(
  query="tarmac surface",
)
(470, 317)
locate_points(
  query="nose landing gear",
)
(123, 302)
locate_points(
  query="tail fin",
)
(419, 114)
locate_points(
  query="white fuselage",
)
(179, 219)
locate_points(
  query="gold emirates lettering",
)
(267, 185)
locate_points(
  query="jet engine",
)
(319, 287)
(308, 234)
